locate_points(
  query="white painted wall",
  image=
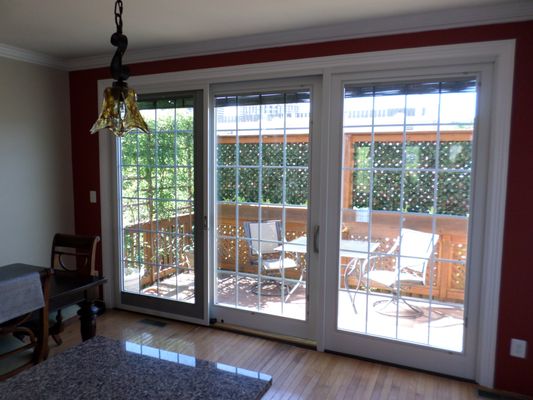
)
(36, 198)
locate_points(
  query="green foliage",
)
(453, 188)
(157, 168)
(273, 174)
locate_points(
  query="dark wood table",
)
(65, 290)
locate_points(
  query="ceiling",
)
(69, 29)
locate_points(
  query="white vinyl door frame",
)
(497, 125)
(390, 350)
(257, 320)
(499, 53)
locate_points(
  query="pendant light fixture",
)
(120, 113)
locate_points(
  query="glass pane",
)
(165, 119)
(166, 149)
(386, 194)
(422, 104)
(262, 201)
(226, 184)
(129, 149)
(272, 185)
(456, 154)
(458, 103)
(227, 293)
(389, 105)
(157, 209)
(248, 190)
(388, 154)
(420, 150)
(298, 154)
(184, 149)
(248, 153)
(419, 192)
(453, 240)
(297, 186)
(226, 153)
(272, 150)
(131, 277)
(453, 193)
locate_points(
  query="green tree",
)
(157, 170)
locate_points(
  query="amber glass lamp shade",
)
(120, 113)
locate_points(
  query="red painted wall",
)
(516, 296)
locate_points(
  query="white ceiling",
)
(70, 29)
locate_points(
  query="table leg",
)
(87, 313)
(57, 328)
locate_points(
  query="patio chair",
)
(264, 240)
(71, 255)
(24, 339)
(411, 253)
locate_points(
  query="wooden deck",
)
(440, 326)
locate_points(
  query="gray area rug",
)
(103, 368)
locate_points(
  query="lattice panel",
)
(388, 155)
(458, 275)
(456, 155)
(298, 154)
(458, 251)
(419, 191)
(454, 192)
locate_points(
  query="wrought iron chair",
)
(23, 344)
(264, 240)
(71, 255)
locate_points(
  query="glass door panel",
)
(161, 206)
(262, 192)
(406, 178)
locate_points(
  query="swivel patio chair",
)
(411, 254)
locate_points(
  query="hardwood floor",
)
(297, 373)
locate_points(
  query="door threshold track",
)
(306, 343)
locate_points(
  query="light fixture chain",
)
(118, 15)
(120, 113)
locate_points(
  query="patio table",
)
(357, 250)
(348, 247)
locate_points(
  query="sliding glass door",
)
(406, 204)
(161, 207)
(407, 178)
(262, 206)
(392, 164)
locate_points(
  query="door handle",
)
(315, 238)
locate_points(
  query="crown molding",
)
(33, 57)
(451, 18)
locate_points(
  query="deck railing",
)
(445, 281)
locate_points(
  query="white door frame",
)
(257, 320)
(499, 53)
(391, 350)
